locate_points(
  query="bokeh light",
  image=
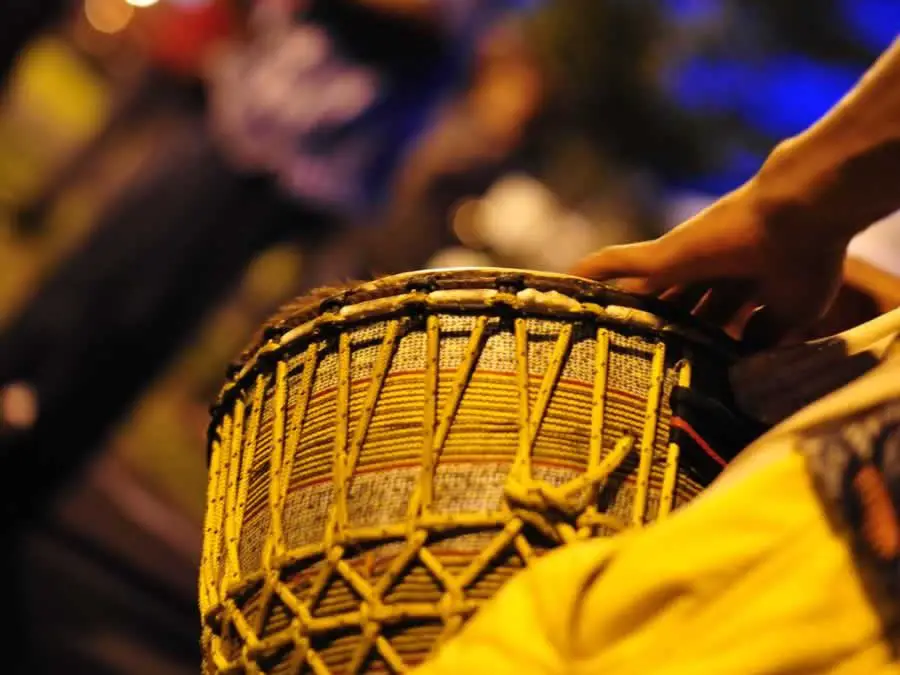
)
(18, 405)
(142, 3)
(108, 16)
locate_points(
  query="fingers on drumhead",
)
(636, 286)
(763, 329)
(722, 303)
(631, 261)
(725, 302)
(686, 296)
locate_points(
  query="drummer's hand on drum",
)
(866, 293)
(780, 240)
(728, 261)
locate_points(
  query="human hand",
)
(736, 260)
(866, 293)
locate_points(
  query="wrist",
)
(799, 187)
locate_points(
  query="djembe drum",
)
(383, 461)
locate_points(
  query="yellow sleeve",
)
(748, 579)
(523, 630)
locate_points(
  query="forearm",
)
(843, 173)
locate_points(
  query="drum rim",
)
(276, 339)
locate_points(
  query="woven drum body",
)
(384, 461)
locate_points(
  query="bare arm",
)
(843, 173)
(780, 240)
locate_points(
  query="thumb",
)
(616, 262)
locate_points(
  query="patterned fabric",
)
(856, 464)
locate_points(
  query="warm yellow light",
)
(142, 3)
(108, 16)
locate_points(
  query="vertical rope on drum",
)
(598, 399)
(276, 458)
(520, 485)
(548, 384)
(214, 513)
(275, 461)
(421, 502)
(648, 439)
(206, 595)
(221, 496)
(452, 600)
(520, 468)
(281, 476)
(231, 488)
(280, 469)
(598, 417)
(249, 450)
(370, 627)
(341, 430)
(379, 372)
(670, 475)
(457, 389)
(337, 520)
(520, 474)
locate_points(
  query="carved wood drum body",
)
(384, 461)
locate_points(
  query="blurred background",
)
(172, 170)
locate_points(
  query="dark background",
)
(138, 252)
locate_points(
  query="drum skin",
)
(383, 461)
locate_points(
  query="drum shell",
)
(383, 462)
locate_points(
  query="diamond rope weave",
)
(379, 471)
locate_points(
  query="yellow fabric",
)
(748, 579)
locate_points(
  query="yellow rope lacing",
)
(564, 513)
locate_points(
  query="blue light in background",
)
(714, 86)
(780, 97)
(740, 165)
(692, 11)
(792, 92)
(875, 23)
